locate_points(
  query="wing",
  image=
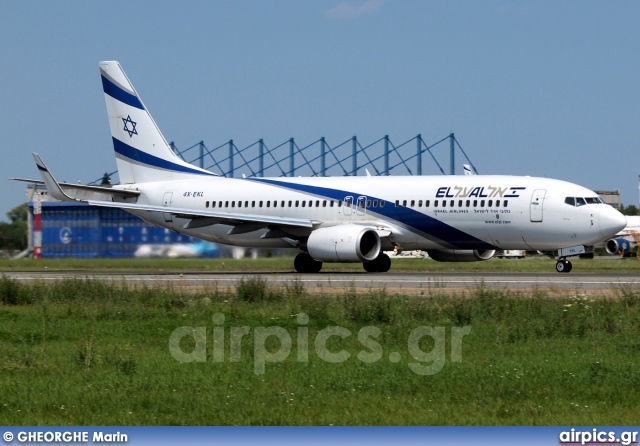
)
(197, 218)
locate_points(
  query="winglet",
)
(52, 185)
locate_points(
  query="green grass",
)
(83, 352)
(285, 264)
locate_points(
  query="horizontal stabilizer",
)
(86, 187)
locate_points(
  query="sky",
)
(541, 88)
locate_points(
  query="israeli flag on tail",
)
(142, 153)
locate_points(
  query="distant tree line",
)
(629, 210)
(13, 235)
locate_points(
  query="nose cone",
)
(611, 222)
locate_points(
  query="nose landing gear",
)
(563, 266)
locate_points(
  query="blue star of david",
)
(126, 126)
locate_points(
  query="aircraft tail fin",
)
(142, 152)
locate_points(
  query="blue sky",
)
(541, 88)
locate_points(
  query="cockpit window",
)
(579, 201)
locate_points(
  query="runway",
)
(394, 283)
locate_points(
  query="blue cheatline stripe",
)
(417, 222)
(153, 161)
(121, 95)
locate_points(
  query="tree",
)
(14, 235)
(106, 179)
(629, 210)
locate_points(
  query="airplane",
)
(337, 219)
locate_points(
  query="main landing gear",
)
(303, 263)
(563, 266)
(381, 264)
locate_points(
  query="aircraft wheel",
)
(569, 267)
(563, 266)
(381, 264)
(384, 263)
(370, 267)
(303, 263)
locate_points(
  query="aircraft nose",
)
(611, 222)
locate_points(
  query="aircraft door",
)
(361, 206)
(347, 208)
(166, 201)
(537, 202)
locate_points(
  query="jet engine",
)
(620, 246)
(461, 255)
(344, 243)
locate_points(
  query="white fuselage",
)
(426, 212)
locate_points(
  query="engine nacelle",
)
(344, 243)
(461, 255)
(619, 245)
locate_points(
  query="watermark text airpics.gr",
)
(273, 344)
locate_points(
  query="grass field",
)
(285, 264)
(80, 352)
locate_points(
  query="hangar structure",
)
(62, 229)
(320, 158)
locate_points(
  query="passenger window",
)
(226, 204)
(481, 203)
(253, 204)
(426, 203)
(468, 203)
(331, 203)
(435, 203)
(381, 203)
(404, 203)
(475, 203)
(246, 204)
(490, 203)
(497, 203)
(444, 203)
(375, 203)
(397, 203)
(324, 203)
(297, 203)
(303, 203)
(452, 203)
(317, 203)
(459, 203)
(239, 204)
(206, 204)
(289, 203)
(413, 203)
(368, 203)
(213, 204)
(260, 204)
(419, 203)
(268, 204)
(505, 203)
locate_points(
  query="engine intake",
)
(619, 245)
(461, 255)
(344, 243)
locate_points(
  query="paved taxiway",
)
(410, 283)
